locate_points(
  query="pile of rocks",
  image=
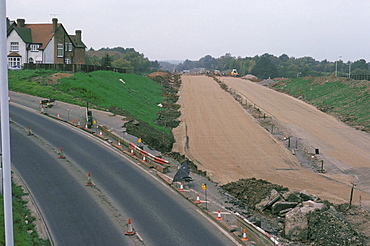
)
(298, 217)
(308, 219)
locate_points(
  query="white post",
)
(336, 66)
(5, 136)
(349, 70)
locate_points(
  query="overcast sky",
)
(191, 29)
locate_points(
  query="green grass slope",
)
(139, 96)
(349, 100)
(37, 83)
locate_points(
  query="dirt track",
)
(229, 144)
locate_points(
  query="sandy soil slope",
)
(227, 142)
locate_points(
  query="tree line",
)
(268, 65)
(119, 57)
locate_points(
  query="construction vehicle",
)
(234, 73)
(49, 103)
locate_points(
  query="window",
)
(67, 61)
(14, 46)
(60, 50)
(68, 46)
(35, 47)
(14, 62)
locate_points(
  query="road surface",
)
(123, 190)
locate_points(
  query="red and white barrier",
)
(145, 155)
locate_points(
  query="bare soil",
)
(53, 79)
(223, 139)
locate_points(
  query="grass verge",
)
(24, 229)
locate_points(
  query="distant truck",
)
(217, 73)
(234, 73)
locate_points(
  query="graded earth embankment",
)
(228, 143)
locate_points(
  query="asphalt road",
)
(73, 216)
(123, 190)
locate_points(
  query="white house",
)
(43, 43)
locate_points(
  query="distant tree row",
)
(118, 57)
(268, 65)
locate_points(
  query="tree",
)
(208, 62)
(106, 61)
(122, 63)
(155, 65)
(186, 65)
(360, 64)
(264, 68)
(225, 62)
(360, 67)
(284, 58)
(93, 60)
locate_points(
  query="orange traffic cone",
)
(78, 123)
(244, 238)
(58, 116)
(130, 230)
(61, 154)
(119, 144)
(89, 182)
(73, 121)
(198, 200)
(181, 187)
(86, 127)
(101, 133)
(132, 151)
(29, 131)
(42, 109)
(219, 215)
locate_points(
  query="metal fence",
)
(72, 67)
(360, 77)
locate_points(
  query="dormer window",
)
(35, 47)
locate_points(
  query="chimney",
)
(78, 36)
(55, 24)
(20, 22)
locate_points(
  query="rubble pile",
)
(297, 217)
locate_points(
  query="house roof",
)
(41, 33)
(24, 33)
(77, 44)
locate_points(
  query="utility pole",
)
(5, 129)
(336, 66)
